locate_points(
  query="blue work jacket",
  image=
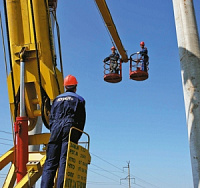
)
(68, 109)
(144, 54)
(112, 57)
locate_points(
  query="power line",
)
(106, 170)
(6, 139)
(140, 179)
(6, 144)
(107, 162)
(106, 177)
(101, 183)
(158, 179)
(5, 132)
(103, 169)
(145, 181)
(138, 185)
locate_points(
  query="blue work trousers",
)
(113, 67)
(144, 66)
(56, 156)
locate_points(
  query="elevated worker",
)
(144, 56)
(68, 110)
(113, 58)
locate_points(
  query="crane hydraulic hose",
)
(53, 59)
(59, 43)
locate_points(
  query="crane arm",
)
(103, 8)
(30, 27)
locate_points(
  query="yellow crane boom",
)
(103, 8)
(42, 78)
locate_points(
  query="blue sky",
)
(141, 122)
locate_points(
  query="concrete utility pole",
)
(189, 51)
(129, 176)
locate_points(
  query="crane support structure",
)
(33, 82)
(34, 166)
(29, 27)
(189, 52)
(103, 8)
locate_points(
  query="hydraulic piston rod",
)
(21, 126)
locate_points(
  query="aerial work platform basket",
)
(112, 77)
(138, 71)
(138, 75)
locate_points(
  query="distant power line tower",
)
(128, 177)
(189, 52)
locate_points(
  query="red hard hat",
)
(142, 43)
(70, 80)
(113, 48)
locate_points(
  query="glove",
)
(138, 52)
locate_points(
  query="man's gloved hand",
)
(138, 52)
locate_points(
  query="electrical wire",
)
(5, 132)
(106, 177)
(105, 170)
(137, 185)
(145, 181)
(106, 162)
(102, 183)
(6, 144)
(6, 139)
(140, 179)
(121, 171)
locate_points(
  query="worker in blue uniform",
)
(144, 56)
(113, 58)
(68, 110)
